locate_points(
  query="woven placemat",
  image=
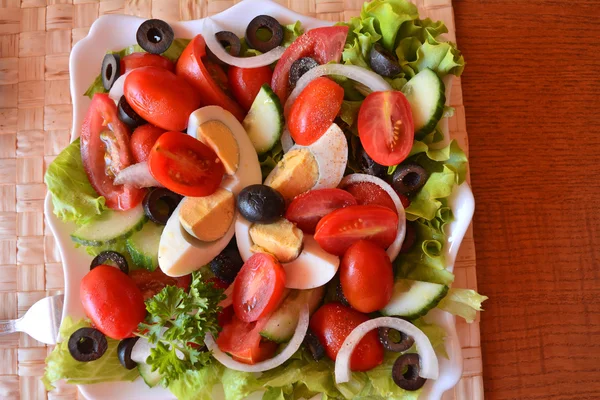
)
(35, 118)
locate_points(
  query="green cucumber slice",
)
(413, 299)
(264, 122)
(143, 245)
(426, 94)
(152, 378)
(110, 227)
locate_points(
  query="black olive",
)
(409, 380)
(390, 343)
(228, 263)
(128, 116)
(268, 23)
(230, 42)
(410, 238)
(261, 203)
(111, 256)
(339, 294)
(299, 68)
(155, 36)
(87, 344)
(409, 178)
(369, 166)
(383, 61)
(314, 346)
(124, 352)
(159, 204)
(111, 70)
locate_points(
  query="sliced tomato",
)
(258, 288)
(370, 193)
(385, 127)
(337, 231)
(193, 68)
(307, 209)
(185, 165)
(225, 316)
(243, 342)
(137, 60)
(323, 44)
(246, 83)
(105, 152)
(143, 139)
(150, 283)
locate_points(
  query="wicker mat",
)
(35, 118)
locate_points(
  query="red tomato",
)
(161, 97)
(185, 165)
(194, 70)
(404, 200)
(258, 287)
(104, 136)
(246, 83)
(218, 283)
(136, 60)
(333, 322)
(366, 276)
(385, 127)
(142, 141)
(323, 44)
(307, 209)
(225, 316)
(243, 342)
(150, 283)
(370, 193)
(337, 231)
(112, 301)
(314, 110)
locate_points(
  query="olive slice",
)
(314, 346)
(409, 380)
(124, 352)
(369, 166)
(159, 204)
(261, 203)
(228, 263)
(106, 257)
(128, 115)
(299, 68)
(409, 178)
(383, 61)
(230, 42)
(270, 24)
(87, 344)
(155, 36)
(390, 343)
(111, 70)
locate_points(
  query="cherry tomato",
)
(385, 127)
(333, 322)
(258, 287)
(136, 60)
(314, 110)
(105, 148)
(193, 68)
(307, 209)
(246, 83)
(404, 200)
(161, 97)
(112, 301)
(185, 165)
(370, 193)
(323, 44)
(150, 283)
(337, 231)
(142, 141)
(366, 276)
(243, 342)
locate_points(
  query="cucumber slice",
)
(426, 94)
(413, 299)
(110, 227)
(264, 122)
(152, 378)
(143, 245)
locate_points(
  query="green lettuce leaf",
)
(197, 384)
(291, 33)
(389, 15)
(269, 160)
(463, 303)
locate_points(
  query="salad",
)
(266, 214)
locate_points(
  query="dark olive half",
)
(111, 258)
(261, 203)
(159, 204)
(405, 372)
(313, 345)
(230, 42)
(124, 352)
(369, 166)
(383, 62)
(87, 344)
(255, 28)
(228, 263)
(394, 340)
(410, 238)
(128, 116)
(409, 178)
(111, 70)
(299, 68)
(155, 36)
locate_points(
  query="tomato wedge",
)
(246, 83)
(150, 283)
(385, 127)
(337, 231)
(370, 193)
(185, 165)
(243, 342)
(137, 60)
(258, 287)
(307, 209)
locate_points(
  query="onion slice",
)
(228, 300)
(137, 175)
(268, 58)
(396, 245)
(118, 88)
(429, 362)
(266, 365)
(286, 140)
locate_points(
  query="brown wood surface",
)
(531, 93)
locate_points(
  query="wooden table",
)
(531, 93)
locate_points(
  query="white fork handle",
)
(9, 326)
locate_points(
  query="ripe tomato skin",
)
(333, 322)
(314, 110)
(185, 165)
(307, 209)
(150, 283)
(161, 97)
(136, 60)
(370, 193)
(142, 141)
(246, 83)
(112, 301)
(385, 127)
(243, 341)
(366, 276)
(258, 288)
(338, 230)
